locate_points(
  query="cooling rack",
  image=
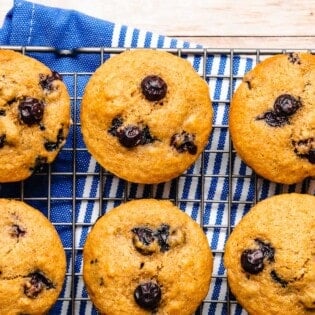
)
(216, 191)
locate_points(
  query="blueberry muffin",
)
(146, 257)
(270, 256)
(272, 118)
(34, 115)
(146, 115)
(32, 260)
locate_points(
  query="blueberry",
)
(146, 136)
(31, 110)
(252, 260)
(304, 149)
(51, 146)
(143, 240)
(42, 127)
(183, 142)
(2, 140)
(54, 145)
(39, 164)
(148, 241)
(116, 123)
(36, 283)
(144, 235)
(162, 234)
(153, 88)
(12, 101)
(45, 81)
(273, 120)
(17, 231)
(311, 156)
(286, 105)
(130, 136)
(267, 249)
(148, 295)
(294, 58)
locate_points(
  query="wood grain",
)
(225, 23)
(255, 42)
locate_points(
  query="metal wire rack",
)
(74, 191)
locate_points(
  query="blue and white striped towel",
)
(218, 189)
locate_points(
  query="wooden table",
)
(215, 24)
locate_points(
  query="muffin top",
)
(270, 256)
(272, 118)
(32, 260)
(146, 115)
(147, 256)
(34, 115)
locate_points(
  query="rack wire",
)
(212, 191)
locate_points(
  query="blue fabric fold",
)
(31, 24)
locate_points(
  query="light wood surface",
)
(215, 24)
